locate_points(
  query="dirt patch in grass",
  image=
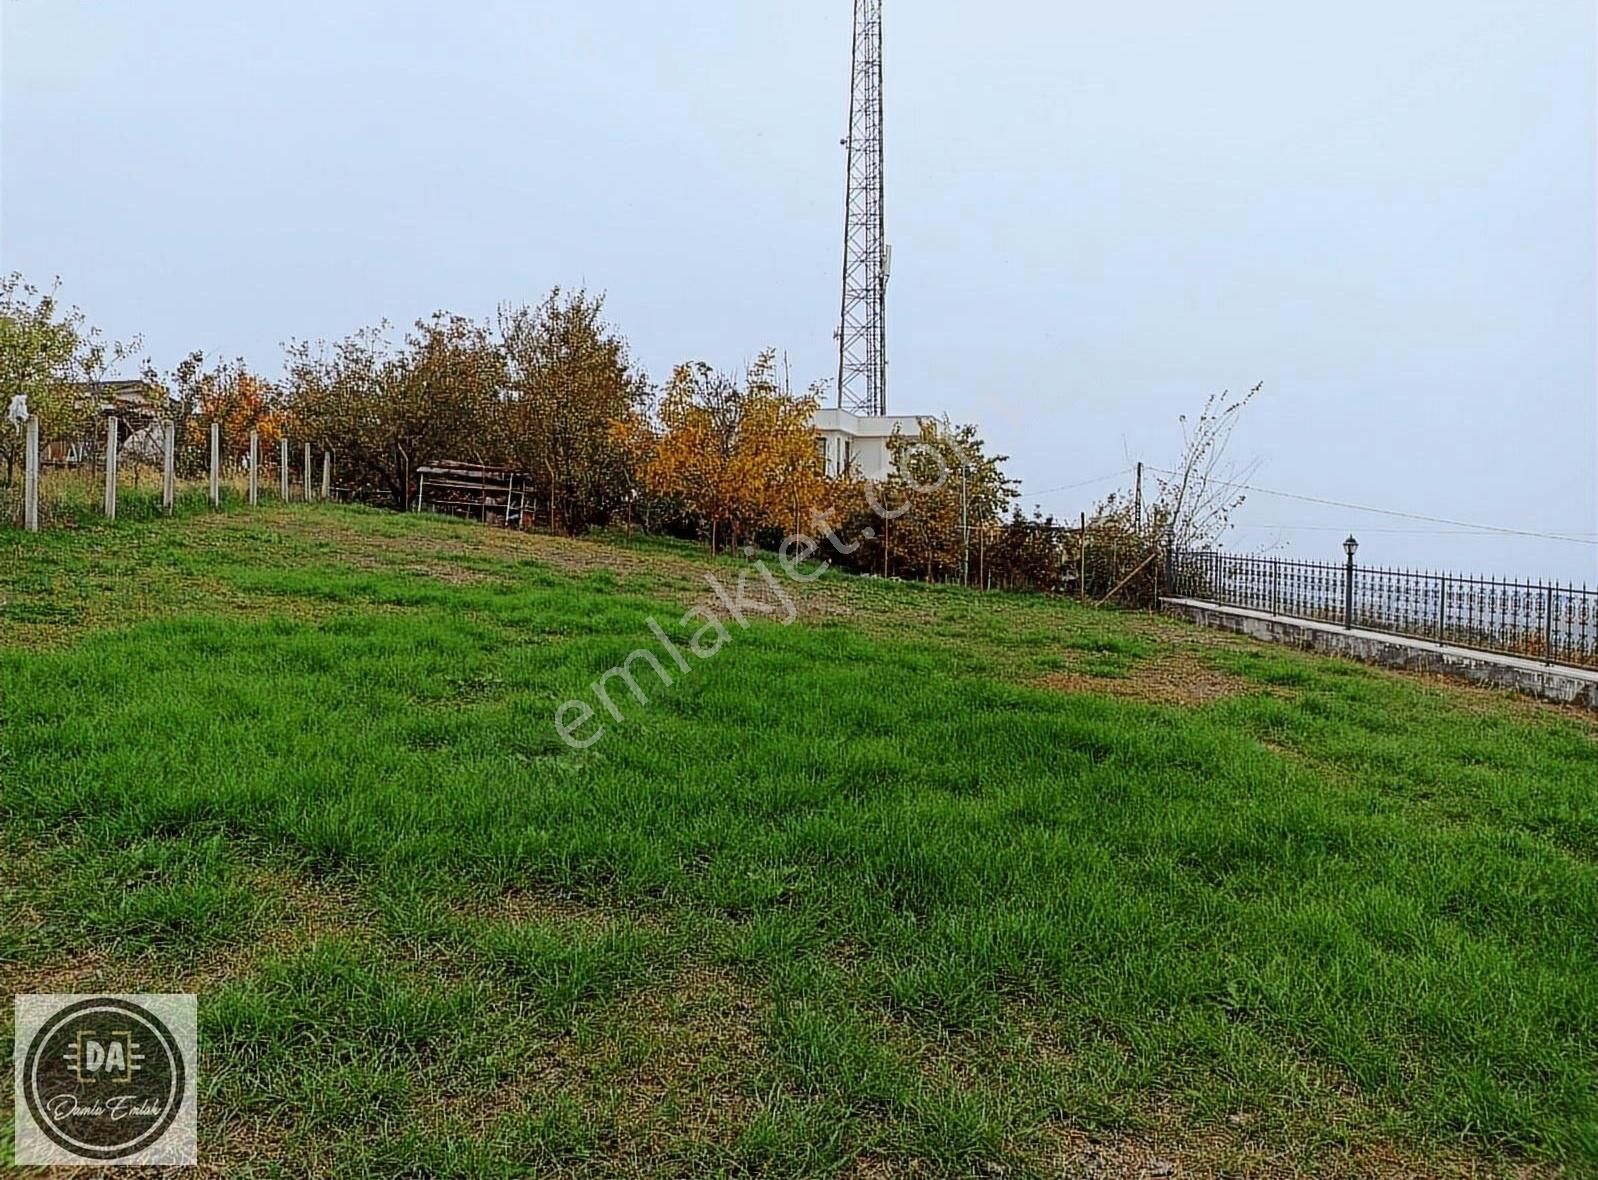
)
(306, 915)
(697, 1045)
(1173, 677)
(1166, 1142)
(521, 907)
(1482, 701)
(1182, 1154)
(449, 573)
(679, 577)
(568, 554)
(674, 1060)
(228, 1149)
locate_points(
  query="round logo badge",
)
(104, 1078)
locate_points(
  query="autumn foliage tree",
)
(926, 519)
(227, 393)
(778, 470)
(568, 379)
(240, 401)
(741, 455)
(1026, 553)
(387, 408)
(693, 453)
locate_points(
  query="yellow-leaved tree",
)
(778, 469)
(740, 456)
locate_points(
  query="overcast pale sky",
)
(1100, 213)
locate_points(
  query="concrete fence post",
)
(30, 477)
(216, 464)
(283, 467)
(307, 473)
(169, 465)
(113, 433)
(327, 475)
(255, 467)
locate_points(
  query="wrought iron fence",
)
(1547, 621)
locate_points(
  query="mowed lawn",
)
(928, 881)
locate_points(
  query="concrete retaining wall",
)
(1570, 686)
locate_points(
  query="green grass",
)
(863, 891)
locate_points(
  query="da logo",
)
(105, 1079)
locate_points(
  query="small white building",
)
(861, 441)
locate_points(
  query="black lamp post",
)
(1350, 547)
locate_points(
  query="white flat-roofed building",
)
(861, 440)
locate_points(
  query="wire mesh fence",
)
(73, 473)
(137, 468)
(1548, 621)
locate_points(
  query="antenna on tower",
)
(862, 327)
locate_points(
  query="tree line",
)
(551, 389)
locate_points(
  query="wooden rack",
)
(493, 495)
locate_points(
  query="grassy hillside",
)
(975, 884)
